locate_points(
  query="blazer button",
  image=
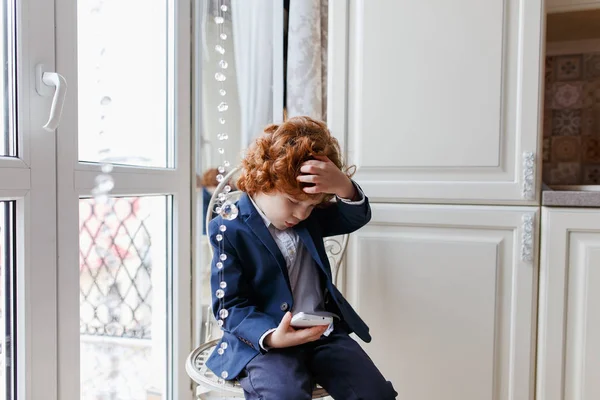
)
(284, 306)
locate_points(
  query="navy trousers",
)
(335, 362)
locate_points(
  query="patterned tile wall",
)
(572, 120)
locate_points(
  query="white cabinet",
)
(571, 5)
(569, 306)
(443, 98)
(448, 292)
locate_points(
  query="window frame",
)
(29, 179)
(76, 179)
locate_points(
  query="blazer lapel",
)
(253, 219)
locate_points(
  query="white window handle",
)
(43, 83)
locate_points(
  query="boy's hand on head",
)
(326, 177)
(287, 336)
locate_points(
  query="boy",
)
(276, 266)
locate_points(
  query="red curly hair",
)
(273, 162)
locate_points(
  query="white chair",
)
(209, 385)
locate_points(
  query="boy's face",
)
(283, 210)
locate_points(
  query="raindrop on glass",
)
(219, 49)
(221, 121)
(220, 322)
(106, 100)
(219, 265)
(223, 257)
(219, 20)
(224, 8)
(226, 163)
(222, 228)
(223, 36)
(229, 211)
(227, 189)
(224, 374)
(219, 178)
(220, 77)
(223, 285)
(219, 237)
(221, 169)
(223, 313)
(220, 351)
(223, 64)
(224, 345)
(220, 294)
(222, 92)
(221, 150)
(222, 106)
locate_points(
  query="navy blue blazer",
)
(258, 292)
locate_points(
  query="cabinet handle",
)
(528, 191)
(527, 237)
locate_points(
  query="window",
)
(95, 290)
(124, 273)
(124, 81)
(128, 130)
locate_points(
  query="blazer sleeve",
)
(342, 217)
(243, 319)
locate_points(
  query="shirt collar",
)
(262, 215)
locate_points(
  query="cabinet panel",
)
(444, 99)
(448, 294)
(569, 333)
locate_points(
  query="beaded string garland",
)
(223, 206)
(104, 182)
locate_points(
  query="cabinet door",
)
(448, 292)
(443, 98)
(569, 325)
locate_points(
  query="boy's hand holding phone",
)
(287, 336)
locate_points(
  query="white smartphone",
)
(304, 320)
